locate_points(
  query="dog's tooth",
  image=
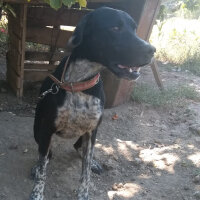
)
(130, 70)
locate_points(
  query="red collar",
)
(74, 87)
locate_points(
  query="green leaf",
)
(56, 4)
(10, 9)
(47, 1)
(82, 3)
(69, 3)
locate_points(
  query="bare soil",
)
(147, 153)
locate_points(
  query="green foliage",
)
(191, 5)
(143, 93)
(179, 8)
(7, 8)
(68, 3)
(56, 4)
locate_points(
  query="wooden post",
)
(16, 49)
(144, 30)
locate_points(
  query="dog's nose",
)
(151, 49)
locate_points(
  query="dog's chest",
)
(79, 114)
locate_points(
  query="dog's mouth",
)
(130, 69)
(131, 72)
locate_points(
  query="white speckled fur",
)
(81, 70)
(79, 114)
(40, 178)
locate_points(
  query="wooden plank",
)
(43, 56)
(134, 8)
(23, 21)
(14, 25)
(13, 85)
(35, 75)
(147, 18)
(40, 66)
(45, 16)
(14, 61)
(14, 41)
(13, 78)
(48, 36)
(154, 19)
(154, 67)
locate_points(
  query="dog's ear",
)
(77, 36)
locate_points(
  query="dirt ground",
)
(147, 153)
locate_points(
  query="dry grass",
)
(178, 42)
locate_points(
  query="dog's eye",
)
(115, 28)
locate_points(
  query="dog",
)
(72, 98)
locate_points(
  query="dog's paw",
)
(96, 167)
(34, 196)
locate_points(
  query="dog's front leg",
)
(86, 165)
(39, 178)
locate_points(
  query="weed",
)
(178, 42)
(31, 46)
(143, 93)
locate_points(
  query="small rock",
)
(197, 140)
(25, 151)
(196, 179)
(57, 194)
(120, 185)
(117, 186)
(114, 187)
(178, 69)
(101, 191)
(195, 128)
(137, 161)
(114, 173)
(13, 147)
(197, 195)
(186, 187)
(187, 111)
(173, 133)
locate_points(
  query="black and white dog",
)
(72, 98)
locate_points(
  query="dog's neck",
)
(80, 70)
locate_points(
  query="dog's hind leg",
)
(95, 166)
(39, 171)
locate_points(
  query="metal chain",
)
(52, 90)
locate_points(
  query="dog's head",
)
(108, 36)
